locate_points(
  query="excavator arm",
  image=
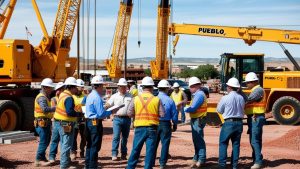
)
(114, 64)
(5, 16)
(160, 66)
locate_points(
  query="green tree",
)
(147, 72)
(206, 72)
(186, 73)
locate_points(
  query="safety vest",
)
(54, 101)
(201, 111)
(38, 112)
(133, 91)
(60, 112)
(256, 107)
(78, 102)
(146, 110)
(177, 97)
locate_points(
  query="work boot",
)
(123, 157)
(162, 167)
(51, 162)
(39, 163)
(256, 166)
(114, 158)
(73, 156)
(81, 154)
(193, 164)
(199, 164)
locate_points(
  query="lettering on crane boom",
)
(211, 31)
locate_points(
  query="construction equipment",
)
(282, 88)
(6, 15)
(21, 64)
(160, 66)
(114, 64)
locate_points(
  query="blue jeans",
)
(198, 125)
(45, 135)
(81, 130)
(231, 130)
(255, 131)
(94, 140)
(54, 142)
(120, 126)
(66, 140)
(164, 134)
(182, 115)
(141, 135)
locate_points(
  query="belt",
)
(126, 117)
(234, 119)
(94, 119)
(42, 118)
(261, 114)
(63, 121)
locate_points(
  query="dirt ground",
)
(281, 149)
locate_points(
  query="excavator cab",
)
(238, 65)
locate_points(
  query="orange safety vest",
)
(177, 97)
(201, 111)
(54, 101)
(146, 108)
(60, 112)
(38, 112)
(256, 107)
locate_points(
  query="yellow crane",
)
(282, 87)
(5, 16)
(21, 64)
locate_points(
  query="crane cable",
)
(171, 38)
(139, 21)
(83, 37)
(88, 32)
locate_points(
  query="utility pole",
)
(78, 45)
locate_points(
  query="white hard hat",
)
(250, 77)
(194, 80)
(130, 81)
(80, 83)
(71, 81)
(176, 85)
(47, 82)
(147, 81)
(97, 80)
(233, 82)
(59, 85)
(163, 84)
(122, 82)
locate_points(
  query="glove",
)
(174, 127)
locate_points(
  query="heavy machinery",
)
(159, 66)
(21, 64)
(282, 87)
(6, 15)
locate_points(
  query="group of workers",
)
(154, 119)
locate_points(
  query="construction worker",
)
(146, 110)
(121, 121)
(43, 112)
(231, 107)
(95, 113)
(65, 117)
(255, 111)
(59, 88)
(165, 127)
(197, 111)
(132, 88)
(180, 100)
(80, 125)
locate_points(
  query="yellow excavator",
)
(21, 63)
(159, 66)
(282, 87)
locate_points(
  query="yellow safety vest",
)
(133, 92)
(78, 102)
(256, 107)
(38, 112)
(54, 101)
(177, 97)
(146, 108)
(201, 111)
(60, 112)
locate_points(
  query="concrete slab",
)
(17, 140)
(21, 135)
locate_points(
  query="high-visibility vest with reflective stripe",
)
(78, 101)
(60, 112)
(38, 112)
(177, 97)
(133, 92)
(54, 101)
(256, 107)
(201, 111)
(146, 108)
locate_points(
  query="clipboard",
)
(115, 107)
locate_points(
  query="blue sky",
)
(217, 12)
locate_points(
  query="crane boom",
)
(5, 16)
(114, 64)
(160, 66)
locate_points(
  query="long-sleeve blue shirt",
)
(198, 99)
(70, 105)
(231, 106)
(170, 108)
(94, 106)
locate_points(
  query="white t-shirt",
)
(118, 99)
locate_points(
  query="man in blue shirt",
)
(231, 107)
(164, 131)
(95, 113)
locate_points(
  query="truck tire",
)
(286, 110)
(9, 115)
(28, 115)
